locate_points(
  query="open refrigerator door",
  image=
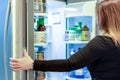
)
(22, 34)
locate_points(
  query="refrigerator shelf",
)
(76, 42)
(40, 14)
(40, 44)
(69, 78)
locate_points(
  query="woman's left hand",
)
(24, 63)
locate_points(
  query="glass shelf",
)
(77, 79)
(40, 44)
(76, 42)
(40, 14)
(70, 78)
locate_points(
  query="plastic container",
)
(77, 74)
(82, 73)
(40, 37)
(40, 6)
(67, 35)
(71, 35)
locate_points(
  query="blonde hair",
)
(108, 14)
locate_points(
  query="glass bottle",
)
(85, 33)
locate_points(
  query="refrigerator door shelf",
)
(40, 44)
(40, 14)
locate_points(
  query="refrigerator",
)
(50, 42)
(17, 34)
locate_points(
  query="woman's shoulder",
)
(101, 39)
(104, 38)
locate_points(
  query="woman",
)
(101, 55)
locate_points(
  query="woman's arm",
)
(94, 50)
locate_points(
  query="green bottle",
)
(79, 31)
(40, 24)
(80, 27)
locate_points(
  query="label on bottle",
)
(40, 56)
(85, 36)
(40, 37)
(66, 35)
(71, 35)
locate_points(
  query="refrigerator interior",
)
(84, 15)
(57, 20)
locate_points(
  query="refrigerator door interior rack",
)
(5, 38)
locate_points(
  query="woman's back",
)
(108, 66)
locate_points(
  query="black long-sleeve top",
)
(100, 55)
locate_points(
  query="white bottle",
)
(72, 51)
